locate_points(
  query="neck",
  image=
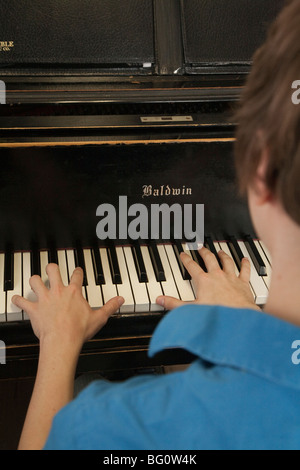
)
(284, 293)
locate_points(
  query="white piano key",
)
(153, 287)
(71, 267)
(109, 290)
(27, 291)
(124, 289)
(267, 278)
(224, 247)
(139, 288)
(267, 253)
(184, 286)
(70, 263)
(258, 285)
(168, 286)
(2, 292)
(14, 313)
(44, 262)
(62, 264)
(94, 294)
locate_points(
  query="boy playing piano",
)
(243, 390)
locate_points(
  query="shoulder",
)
(115, 415)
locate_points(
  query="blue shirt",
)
(242, 391)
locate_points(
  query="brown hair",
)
(267, 117)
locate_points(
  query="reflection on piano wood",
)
(140, 273)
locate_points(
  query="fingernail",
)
(160, 301)
(121, 300)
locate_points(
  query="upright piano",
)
(105, 99)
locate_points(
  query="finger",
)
(169, 303)
(190, 265)
(22, 303)
(245, 270)
(77, 277)
(227, 262)
(209, 259)
(53, 274)
(37, 285)
(99, 317)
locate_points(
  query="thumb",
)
(169, 303)
(111, 307)
(100, 317)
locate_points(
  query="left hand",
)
(217, 286)
(61, 313)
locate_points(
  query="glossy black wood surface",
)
(49, 195)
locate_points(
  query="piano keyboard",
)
(139, 273)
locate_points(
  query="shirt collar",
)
(246, 339)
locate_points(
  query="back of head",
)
(268, 119)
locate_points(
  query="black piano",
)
(108, 99)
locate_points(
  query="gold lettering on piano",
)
(165, 190)
(6, 46)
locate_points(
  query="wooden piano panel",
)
(49, 195)
(224, 32)
(77, 33)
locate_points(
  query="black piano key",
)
(139, 262)
(52, 256)
(208, 243)
(255, 256)
(80, 263)
(97, 265)
(156, 262)
(198, 258)
(177, 246)
(8, 270)
(236, 252)
(114, 264)
(35, 262)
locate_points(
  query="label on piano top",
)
(166, 119)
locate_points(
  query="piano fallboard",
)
(49, 195)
